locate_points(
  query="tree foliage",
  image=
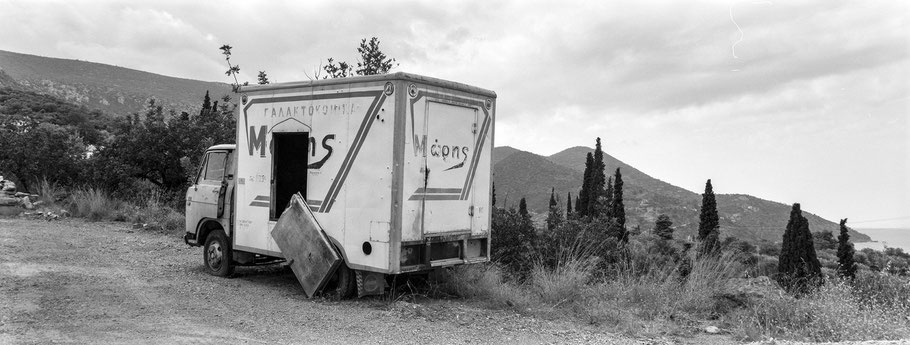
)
(846, 266)
(798, 267)
(708, 222)
(42, 137)
(597, 182)
(263, 78)
(663, 227)
(513, 240)
(554, 215)
(618, 207)
(372, 61)
(581, 204)
(824, 240)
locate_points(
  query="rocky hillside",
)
(112, 89)
(519, 173)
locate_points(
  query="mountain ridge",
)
(645, 197)
(112, 89)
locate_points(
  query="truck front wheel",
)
(217, 254)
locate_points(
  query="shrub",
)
(157, 215)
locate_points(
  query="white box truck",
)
(395, 168)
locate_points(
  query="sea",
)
(891, 237)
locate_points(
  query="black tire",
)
(217, 254)
(343, 284)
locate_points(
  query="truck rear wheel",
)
(343, 285)
(217, 254)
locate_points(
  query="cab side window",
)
(214, 166)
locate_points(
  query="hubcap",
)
(215, 255)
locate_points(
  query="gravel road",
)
(73, 281)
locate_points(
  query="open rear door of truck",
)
(306, 247)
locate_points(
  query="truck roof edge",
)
(358, 79)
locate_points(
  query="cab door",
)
(206, 195)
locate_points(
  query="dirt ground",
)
(73, 281)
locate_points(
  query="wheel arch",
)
(206, 226)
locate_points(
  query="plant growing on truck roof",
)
(234, 69)
(372, 61)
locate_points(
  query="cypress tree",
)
(581, 204)
(493, 195)
(526, 226)
(554, 217)
(568, 204)
(617, 219)
(708, 222)
(663, 228)
(846, 267)
(206, 102)
(608, 203)
(798, 268)
(596, 188)
(618, 211)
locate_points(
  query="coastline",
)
(882, 237)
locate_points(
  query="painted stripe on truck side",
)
(353, 151)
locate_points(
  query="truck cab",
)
(209, 207)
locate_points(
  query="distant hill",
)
(501, 152)
(112, 89)
(520, 174)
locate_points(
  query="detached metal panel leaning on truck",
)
(396, 168)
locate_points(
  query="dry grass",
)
(832, 313)
(660, 302)
(153, 212)
(94, 204)
(49, 193)
(485, 282)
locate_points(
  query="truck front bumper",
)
(190, 239)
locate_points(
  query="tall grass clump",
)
(708, 282)
(832, 312)
(565, 283)
(93, 204)
(485, 282)
(49, 192)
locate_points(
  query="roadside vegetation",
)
(583, 263)
(134, 168)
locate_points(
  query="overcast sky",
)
(795, 101)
